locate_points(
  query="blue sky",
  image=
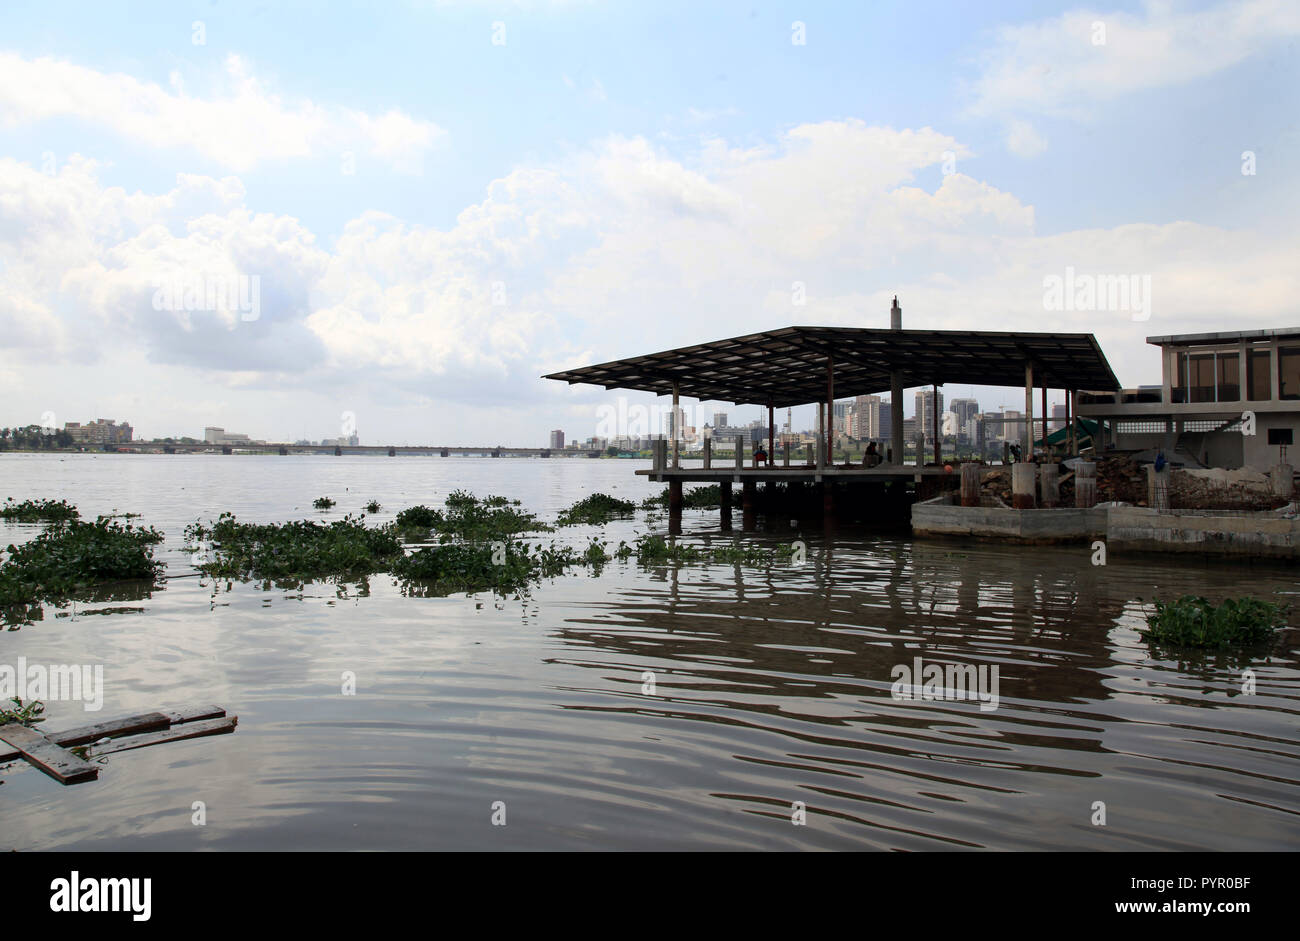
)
(627, 176)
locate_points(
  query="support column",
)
(725, 514)
(1069, 422)
(828, 503)
(830, 411)
(748, 519)
(934, 424)
(896, 394)
(771, 437)
(1085, 484)
(1022, 486)
(674, 507)
(970, 485)
(740, 451)
(1049, 483)
(708, 453)
(1044, 387)
(1027, 436)
(677, 432)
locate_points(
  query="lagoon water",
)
(772, 686)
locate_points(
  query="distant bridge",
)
(339, 450)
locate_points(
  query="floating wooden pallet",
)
(50, 752)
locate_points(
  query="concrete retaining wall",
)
(1264, 535)
(1065, 524)
(1254, 535)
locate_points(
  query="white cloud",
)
(240, 125)
(617, 250)
(1069, 65)
(1023, 140)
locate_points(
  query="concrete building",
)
(557, 440)
(99, 431)
(1226, 400)
(965, 410)
(925, 412)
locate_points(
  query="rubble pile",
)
(1123, 480)
(1233, 492)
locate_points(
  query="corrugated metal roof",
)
(789, 366)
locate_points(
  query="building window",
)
(1288, 372)
(1200, 377)
(1258, 365)
(1229, 377)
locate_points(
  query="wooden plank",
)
(58, 763)
(131, 725)
(193, 713)
(176, 733)
(83, 735)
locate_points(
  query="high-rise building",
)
(719, 419)
(925, 411)
(557, 440)
(866, 417)
(965, 410)
(1012, 427)
(1058, 416)
(674, 423)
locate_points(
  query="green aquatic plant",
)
(72, 557)
(1192, 621)
(597, 509)
(322, 503)
(502, 567)
(656, 550)
(20, 714)
(294, 551)
(373, 507)
(697, 498)
(38, 511)
(470, 519)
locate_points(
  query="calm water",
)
(773, 686)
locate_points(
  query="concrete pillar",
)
(1049, 482)
(1157, 487)
(677, 432)
(1022, 485)
(749, 517)
(1085, 484)
(896, 394)
(828, 502)
(659, 451)
(920, 450)
(820, 452)
(1027, 438)
(674, 507)
(934, 425)
(708, 453)
(771, 437)
(970, 485)
(1283, 478)
(785, 452)
(740, 451)
(725, 514)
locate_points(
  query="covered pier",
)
(803, 365)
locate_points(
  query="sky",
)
(291, 219)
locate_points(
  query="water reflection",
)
(771, 685)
